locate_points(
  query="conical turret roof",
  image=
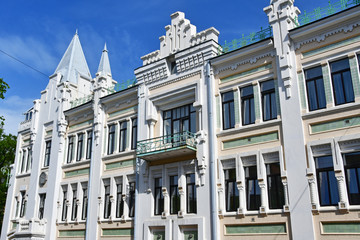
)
(73, 62)
(104, 66)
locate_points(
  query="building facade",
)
(260, 142)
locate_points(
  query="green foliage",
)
(3, 87)
(7, 156)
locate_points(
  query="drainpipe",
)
(136, 196)
(212, 158)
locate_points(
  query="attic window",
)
(172, 65)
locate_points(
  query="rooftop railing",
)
(302, 19)
(82, 100)
(121, 86)
(165, 143)
(321, 12)
(245, 40)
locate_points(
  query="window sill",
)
(120, 154)
(21, 175)
(241, 129)
(331, 110)
(75, 164)
(269, 212)
(116, 220)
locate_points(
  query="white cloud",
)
(29, 50)
(12, 108)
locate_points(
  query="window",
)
(29, 160)
(23, 204)
(190, 193)
(131, 199)
(122, 140)
(22, 169)
(70, 149)
(178, 120)
(79, 153)
(65, 207)
(119, 201)
(134, 133)
(315, 88)
(74, 205)
(174, 195)
(158, 197)
(268, 100)
(41, 205)
(327, 185)
(228, 110)
(111, 139)
(85, 204)
(231, 190)
(107, 203)
(352, 174)
(88, 144)
(342, 82)
(247, 105)
(253, 199)
(275, 186)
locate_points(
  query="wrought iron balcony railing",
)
(167, 143)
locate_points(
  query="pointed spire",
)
(104, 66)
(73, 62)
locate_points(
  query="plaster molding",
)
(323, 36)
(175, 80)
(250, 60)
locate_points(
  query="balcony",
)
(24, 125)
(177, 146)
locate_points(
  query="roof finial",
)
(76, 32)
(105, 49)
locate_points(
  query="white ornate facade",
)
(262, 142)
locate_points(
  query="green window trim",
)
(71, 233)
(118, 232)
(279, 228)
(267, 137)
(257, 104)
(327, 84)
(335, 125)
(340, 227)
(302, 90)
(120, 164)
(78, 172)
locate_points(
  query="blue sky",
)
(38, 33)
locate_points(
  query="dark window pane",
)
(190, 193)
(134, 134)
(252, 189)
(174, 195)
(313, 73)
(339, 65)
(327, 184)
(89, 145)
(352, 174)
(231, 190)
(315, 88)
(268, 100)
(123, 134)
(275, 186)
(131, 199)
(247, 105)
(158, 197)
(342, 82)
